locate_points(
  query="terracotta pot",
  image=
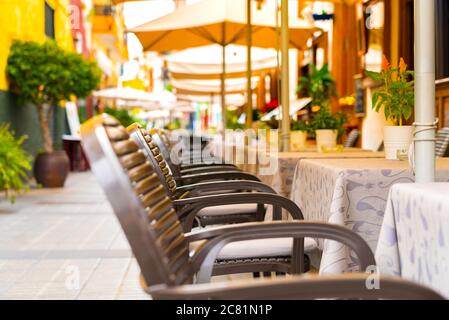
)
(51, 169)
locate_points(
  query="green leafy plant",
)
(300, 125)
(124, 117)
(318, 85)
(273, 123)
(232, 120)
(397, 94)
(326, 120)
(14, 164)
(45, 75)
(174, 125)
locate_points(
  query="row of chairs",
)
(163, 208)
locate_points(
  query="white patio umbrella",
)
(206, 62)
(296, 106)
(425, 91)
(220, 22)
(234, 99)
(212, 86)
(129, 94)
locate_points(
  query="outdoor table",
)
(352, 193)
(414, 238)
(282, 179)
(277, 169)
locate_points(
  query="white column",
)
(425, 90)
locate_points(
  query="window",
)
(49, 21)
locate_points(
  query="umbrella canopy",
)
(206, 62)
(130, 94)
(220, 22)
(231, 98)
(209, 86)
(297, 105)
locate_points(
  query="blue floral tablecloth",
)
(351, 193)
(414, 239)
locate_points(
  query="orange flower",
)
(402, 66)
(385, 63)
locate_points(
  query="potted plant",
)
(329, 128)
(298, 135)
(319, 85)
(397, 98)
(46, 75)
(14, 164)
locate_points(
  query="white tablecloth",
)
(414, 239)
(352, 193)
(278, 169)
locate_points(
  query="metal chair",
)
(180, 168)
(352, 139)
(171, 271)
(442, 143)
(204, 184)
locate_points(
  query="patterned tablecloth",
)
(277, 169)
(352, 193)
(414, 239)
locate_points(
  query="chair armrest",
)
(204, 259)
(207, 165)
(221, 175)
(208, 169)
(193, 205)
(227, 185)
(347, 286)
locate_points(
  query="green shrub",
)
(45, 75)
(14, 164)
(300, 125)
(318, 85)
(326, 120)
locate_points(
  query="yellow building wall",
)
(108, 36)
(25, 20)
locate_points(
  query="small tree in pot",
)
(298, 134)
(329, 127)
(319, 85)
(46, 75)
(397, 97)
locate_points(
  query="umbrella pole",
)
(425, 91)
(223, 92)
(285, 79)
(249, 94)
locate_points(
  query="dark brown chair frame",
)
(161, 248)
(215, 184)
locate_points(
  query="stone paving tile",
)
(66, 244)
(50, 238)
(130, 288)
(105, 280)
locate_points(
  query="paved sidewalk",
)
(65, 244)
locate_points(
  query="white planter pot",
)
(298, 140)
(397, 138)
(326, 138)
